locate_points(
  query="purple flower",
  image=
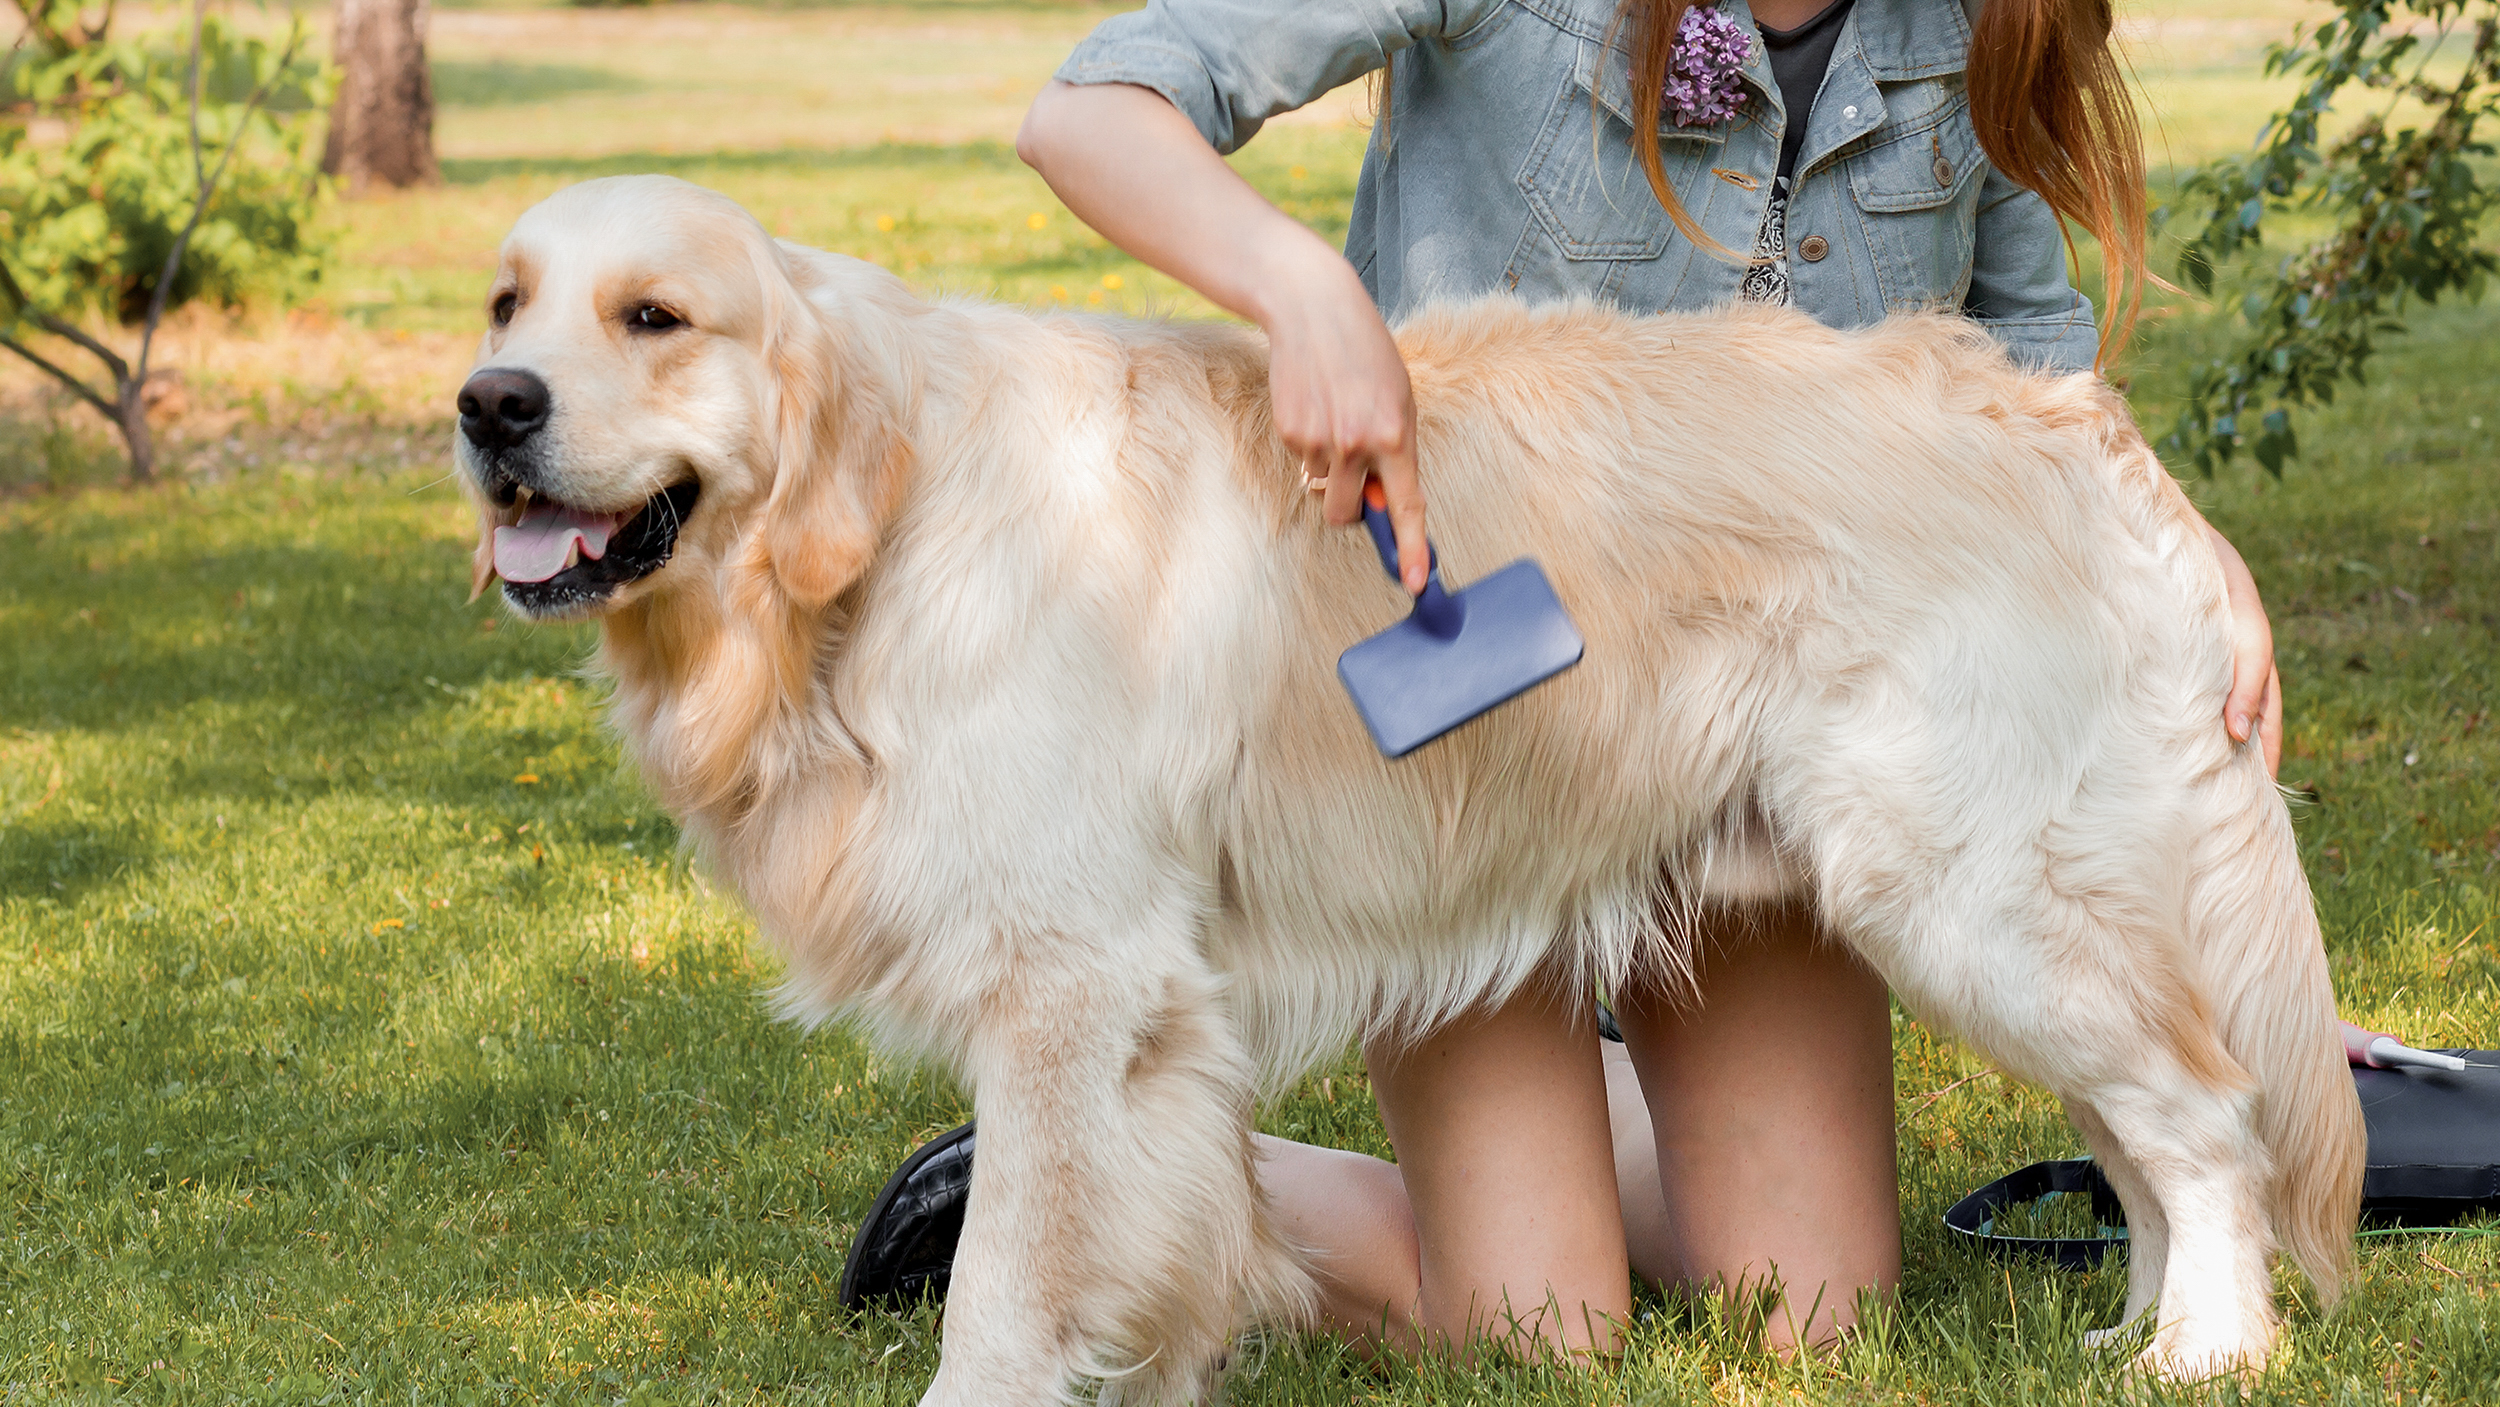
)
(1710, 50)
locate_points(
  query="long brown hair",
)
(2047, 96)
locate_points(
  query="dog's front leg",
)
(1114, 1231)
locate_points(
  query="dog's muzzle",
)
(630, 546)
(557, 559)
(500, 409)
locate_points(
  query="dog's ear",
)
(839, 448)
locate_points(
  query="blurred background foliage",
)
(96, 173)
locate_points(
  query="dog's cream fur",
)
(993, 668)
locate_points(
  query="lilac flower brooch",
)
(1710, 50)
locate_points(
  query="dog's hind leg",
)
(1114, 1234)
(2148, 1230)
(2077, 987)
(2174, 1120)
(2261, 1004)
(2191, 1145)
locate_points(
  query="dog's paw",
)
(2179, 1353)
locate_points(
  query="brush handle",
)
(2379, 1051)
(2388, 1054)
(1436, 610)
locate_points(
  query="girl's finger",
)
(1343, 503)
(1404, 488)
(2252, 643)
(2252, 674)
(2273, 713)
(2251, 671)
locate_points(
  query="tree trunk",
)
(382, 125)
(136, 437)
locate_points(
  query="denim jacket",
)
(1495, 170)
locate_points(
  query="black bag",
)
(2434, 1158)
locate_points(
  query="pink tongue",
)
(534, 549)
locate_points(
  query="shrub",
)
(124, 163)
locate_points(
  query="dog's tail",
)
(2254, 929)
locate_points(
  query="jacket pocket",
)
(1916, 184)
(1585, 186)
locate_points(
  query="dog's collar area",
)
(638, 547)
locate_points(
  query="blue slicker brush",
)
(1460, 652)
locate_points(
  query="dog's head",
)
(657, 401)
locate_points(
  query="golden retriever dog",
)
(989, 656)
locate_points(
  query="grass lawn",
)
(364, 1036)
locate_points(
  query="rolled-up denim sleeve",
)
(1229, 65)
(2018, 287)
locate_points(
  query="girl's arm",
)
(2019, 292)
(2255, 703)
(1130, 165)
(2018, 286)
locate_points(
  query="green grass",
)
(364, 1037)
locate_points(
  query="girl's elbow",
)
(1036, 138)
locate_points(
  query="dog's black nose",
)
(500, 407)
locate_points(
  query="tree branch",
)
(199, 208)
(208, 180)
(60, 328)
(65, 378)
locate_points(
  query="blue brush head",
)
(1459, 653)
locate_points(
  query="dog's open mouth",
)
(560, 560)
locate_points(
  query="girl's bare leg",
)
(1500, 1218)
(1783, 1158)
(1770, 1110)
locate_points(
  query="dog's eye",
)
(651, 317)
(503, 308)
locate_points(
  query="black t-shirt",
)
(1799, 59)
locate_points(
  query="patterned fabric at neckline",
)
(1767, 281)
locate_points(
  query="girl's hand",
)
(1128, 164)
(2256, 698)
(1343, 403)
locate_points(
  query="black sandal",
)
(905, 1248)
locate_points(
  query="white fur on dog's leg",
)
(2197, 1152)
(2219, 1272)
(2148, 1229)
(1114, 1234)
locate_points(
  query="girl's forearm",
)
(1130, 165)
(1126, 162)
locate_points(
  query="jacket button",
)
(1944, 172)
(1812, 248)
